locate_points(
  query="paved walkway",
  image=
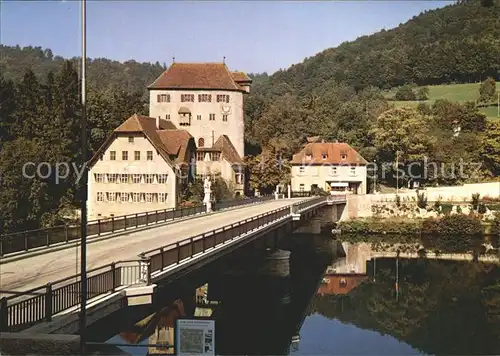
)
(38, 270)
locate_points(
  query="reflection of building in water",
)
(348, 272)
(355, 260)
(340, 283)
(158, 328)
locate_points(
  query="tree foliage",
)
(487, 90)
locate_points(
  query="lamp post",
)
(375, 177)
(397, 173)
(83, 218)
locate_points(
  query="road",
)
(38, 270)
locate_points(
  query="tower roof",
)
(211, 76)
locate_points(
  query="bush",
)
(398, 201)
(447, 208)
(421, 200)
(423, 93)
(459, 209)
(452, 233)
(437, 205)
(405, 93)
(475, 201)
(481, 208)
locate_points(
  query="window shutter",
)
(158, 98)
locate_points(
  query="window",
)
(137, 155)
(136, 197)
(136, 178)
(222, 98)
(149, 155)
(215, 156)
(149, 178)
(162, 178)
(333, 171)
(239, 178)
(167, 117)
(224, 117)
(112, 155)
(301, 187)
(352, 171)
(324, 156)
(162, 197)
(101, 157)
(112, 178)
(343, 156)
(187, 98)
(201, 142)
(204, 98)
(124, 197)
(112, 196)
(163, 98)
(124, 178)
(302, 169)
(200, 156)
(131, 139)
(99, 177)
(149, 197)
(212, 117)
(198, 117)
(100, 196)
(124, 155)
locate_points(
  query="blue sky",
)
(255, 36)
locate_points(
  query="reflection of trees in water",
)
(443, 307)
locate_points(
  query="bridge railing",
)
(173, 254)
(27, 308)
(337, 198)
(24, 309)
(46, 237)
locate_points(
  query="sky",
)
(254, 36)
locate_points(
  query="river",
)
(325, 302)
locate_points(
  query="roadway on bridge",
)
(38, 270)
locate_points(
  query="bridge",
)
(51, 285)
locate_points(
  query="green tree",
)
(487, 91)
(403, 130)
(8, 108)
(491, 148)
(423, 93)
(405, 93)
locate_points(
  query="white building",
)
(334, 167)
(206, 99)
(139, 168)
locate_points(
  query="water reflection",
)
(311, 299)
(438, 306)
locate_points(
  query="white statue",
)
(207, 200)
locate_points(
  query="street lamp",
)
(375, 176)
(83, 218)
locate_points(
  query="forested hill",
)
(457, 43)
(102, 73)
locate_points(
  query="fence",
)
(27, 308)
(32, 239)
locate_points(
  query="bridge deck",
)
(37, 270)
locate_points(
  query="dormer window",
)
(343, 156)
(324, 156)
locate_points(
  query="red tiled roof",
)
(227, 149)
(169, 141)
(210, 76)
(333, 152)
(240, 77)
(176, 142)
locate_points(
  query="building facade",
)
(332, 166)
(141, 167)
(205, 99)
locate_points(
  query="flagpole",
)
(83, 245)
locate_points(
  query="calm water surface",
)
(323, 303)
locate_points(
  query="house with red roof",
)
(332, 166)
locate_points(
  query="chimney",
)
(158, 123)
